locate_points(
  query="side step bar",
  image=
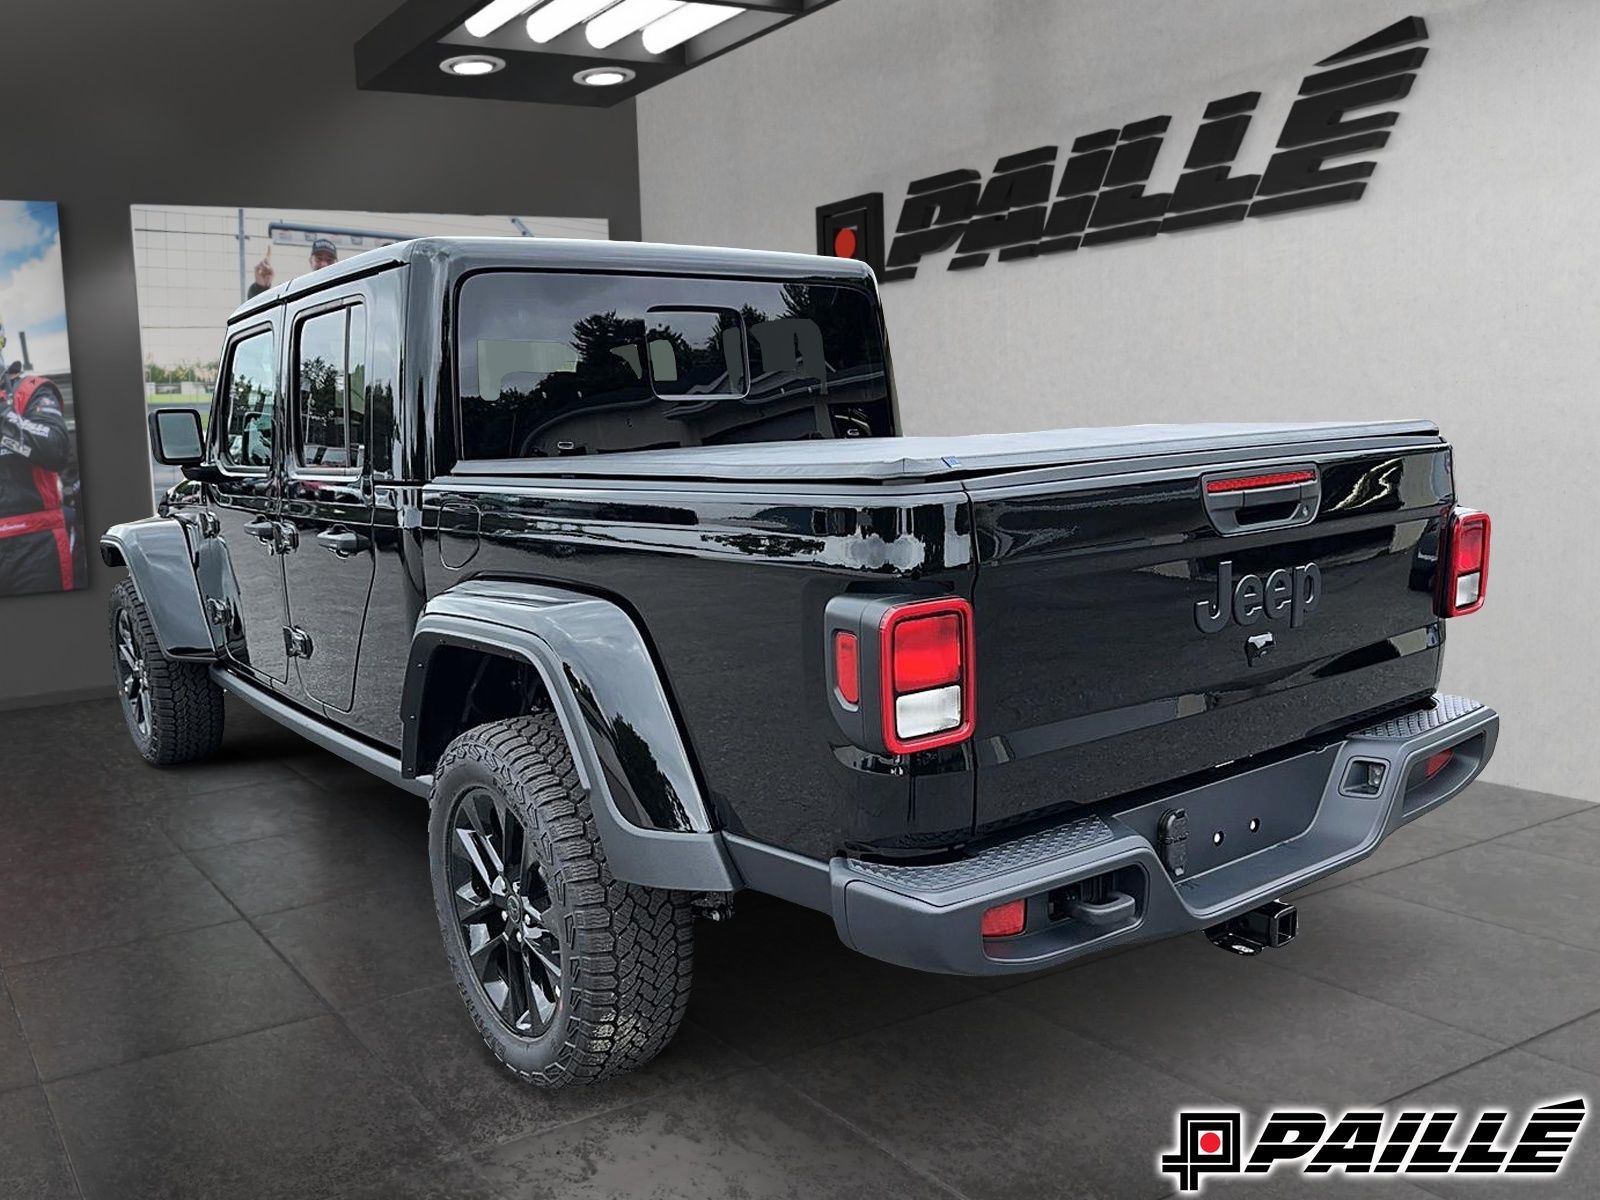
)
(369, 758)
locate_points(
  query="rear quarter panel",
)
(728, 585)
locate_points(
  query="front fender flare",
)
(157, 553)
(603, 683)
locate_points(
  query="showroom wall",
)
(1461, 287)
(195, 102)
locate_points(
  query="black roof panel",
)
(466, 254)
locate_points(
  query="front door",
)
(327, 504)
(240, 568)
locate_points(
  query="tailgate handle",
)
(1248, 502)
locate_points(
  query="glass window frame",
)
(293, 458)
(697, 397)
(225, 403)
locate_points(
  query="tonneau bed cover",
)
(884, 460)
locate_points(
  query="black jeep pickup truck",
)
(613, 553)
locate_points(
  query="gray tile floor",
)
(224, 981)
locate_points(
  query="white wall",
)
(1461, 287)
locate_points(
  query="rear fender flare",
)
(602, 683)
(157, 554)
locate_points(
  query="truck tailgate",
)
(1107, 660)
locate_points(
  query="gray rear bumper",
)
(928, 917)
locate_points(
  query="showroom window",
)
(251, 397)
(330, 396)
(558, 364)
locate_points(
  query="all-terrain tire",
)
(627, 952)
(183, 707)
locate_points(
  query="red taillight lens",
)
(927, 652)
(846, 667)
(1005, 920)
(1465, 580)
(1471, 542)
(927, 677)
(1437, 762)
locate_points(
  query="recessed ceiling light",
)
(551, 20)
(495, 14)
(628, 17)
(472, 64)
(684, 23)
(603, 76)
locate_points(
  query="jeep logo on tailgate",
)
(1284, 593)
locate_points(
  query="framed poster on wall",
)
(41, 513)
(194, 265)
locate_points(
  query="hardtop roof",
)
(466, 254)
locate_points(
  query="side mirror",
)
(177, 437)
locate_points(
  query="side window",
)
(250, 397)
(330, 390)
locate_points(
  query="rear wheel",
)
(173, 709)
(569, 974)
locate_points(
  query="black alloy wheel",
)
(173, 707)
(133, 676)
(569, 974)
(504, 913)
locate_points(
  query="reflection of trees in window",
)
(323, 412)
(596, 338)
(608, 369)
(848, 333)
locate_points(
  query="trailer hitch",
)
(1272, 925)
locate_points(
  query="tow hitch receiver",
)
(1272, 925)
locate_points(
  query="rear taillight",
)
(1464, 581)
(900, 671)
(927, 679)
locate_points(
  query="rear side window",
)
(250, 396)
(552, 364)
(330, 395)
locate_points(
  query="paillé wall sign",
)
(1100, 195)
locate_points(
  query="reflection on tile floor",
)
(224, 981)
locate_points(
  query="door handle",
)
(279, 537)
(343, 542)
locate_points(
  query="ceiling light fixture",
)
(495, 14)
(626, 18)
(550, 21)
(472, 64)
(603, 76)
(684, 23)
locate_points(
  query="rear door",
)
(1137, 629)
(239, 567)
(327, 501)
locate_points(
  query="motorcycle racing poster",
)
(41, 515)
(194, 265)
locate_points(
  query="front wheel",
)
(174, 710)
(570, 975)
